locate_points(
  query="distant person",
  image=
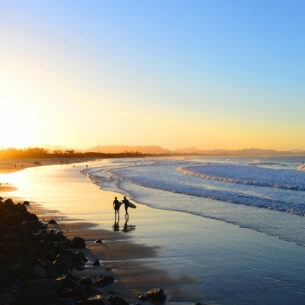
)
(126, 204)
(116, 206)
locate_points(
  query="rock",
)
(78, 243)
(143, 297)
(104, 281)
(156, 294)
(44, 284)
(96, 300)
(96, 262)
(86, 281)
(36, 262)
(52, 222)
(98, 241)
(115, 300)
(40, 272)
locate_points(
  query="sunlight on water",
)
(57, 187)
(242, 259)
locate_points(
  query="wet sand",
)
(131, 264)
(119, 257)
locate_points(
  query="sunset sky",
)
(207, 73)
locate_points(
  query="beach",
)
(133, 265)
(193, 258)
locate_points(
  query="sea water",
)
(256, 253)
(232, 230)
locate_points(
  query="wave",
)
(248, 175)
(230, 196)
(260, 162)
(180, 185)
(301, 167)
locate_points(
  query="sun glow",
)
(17, 128)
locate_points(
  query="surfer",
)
(116, 206)
(126, 203)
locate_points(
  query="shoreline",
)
(123, 259)
(127, 261)
(112, 255)
(13, 165)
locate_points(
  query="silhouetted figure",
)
(127, 227)
(116, 226)
(126, 203)
(116, 206)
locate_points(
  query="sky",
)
(210, 74)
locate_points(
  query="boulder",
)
(104, 281)
(156, 294)
(52, 222)
(78, 243)
(96, 262)
(115, 300)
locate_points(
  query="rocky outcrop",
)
(37, 264)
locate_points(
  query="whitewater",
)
(230, 231)
(266, 195)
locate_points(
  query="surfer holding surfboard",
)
(127, 204)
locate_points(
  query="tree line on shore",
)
(41, 153)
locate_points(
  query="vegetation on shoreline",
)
(41, 153)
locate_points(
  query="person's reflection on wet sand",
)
(127, 227)
(116, 226)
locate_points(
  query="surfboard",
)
(131, 205)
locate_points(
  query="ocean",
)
(258, 255)
(232, 230)
(266, 195)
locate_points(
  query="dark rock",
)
(98, 241)
(37, 263)
(86, 281)
(93, 300)
(96, 262)
(78, 292)
(78, 243)
(142, 297)
(52, 222)
(104, 281)
(156, 294)
(96, 300)
(44, 284)
(115, 300)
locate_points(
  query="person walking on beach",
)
(116, 206)
(126, 203)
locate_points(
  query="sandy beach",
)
(193, 258)
(130, 263)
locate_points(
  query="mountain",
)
(157, 150)
(188, 150)
(114, 149)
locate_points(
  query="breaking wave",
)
(247, 175)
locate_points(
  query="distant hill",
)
(115, 149)
(157, 150)
(240, 152)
